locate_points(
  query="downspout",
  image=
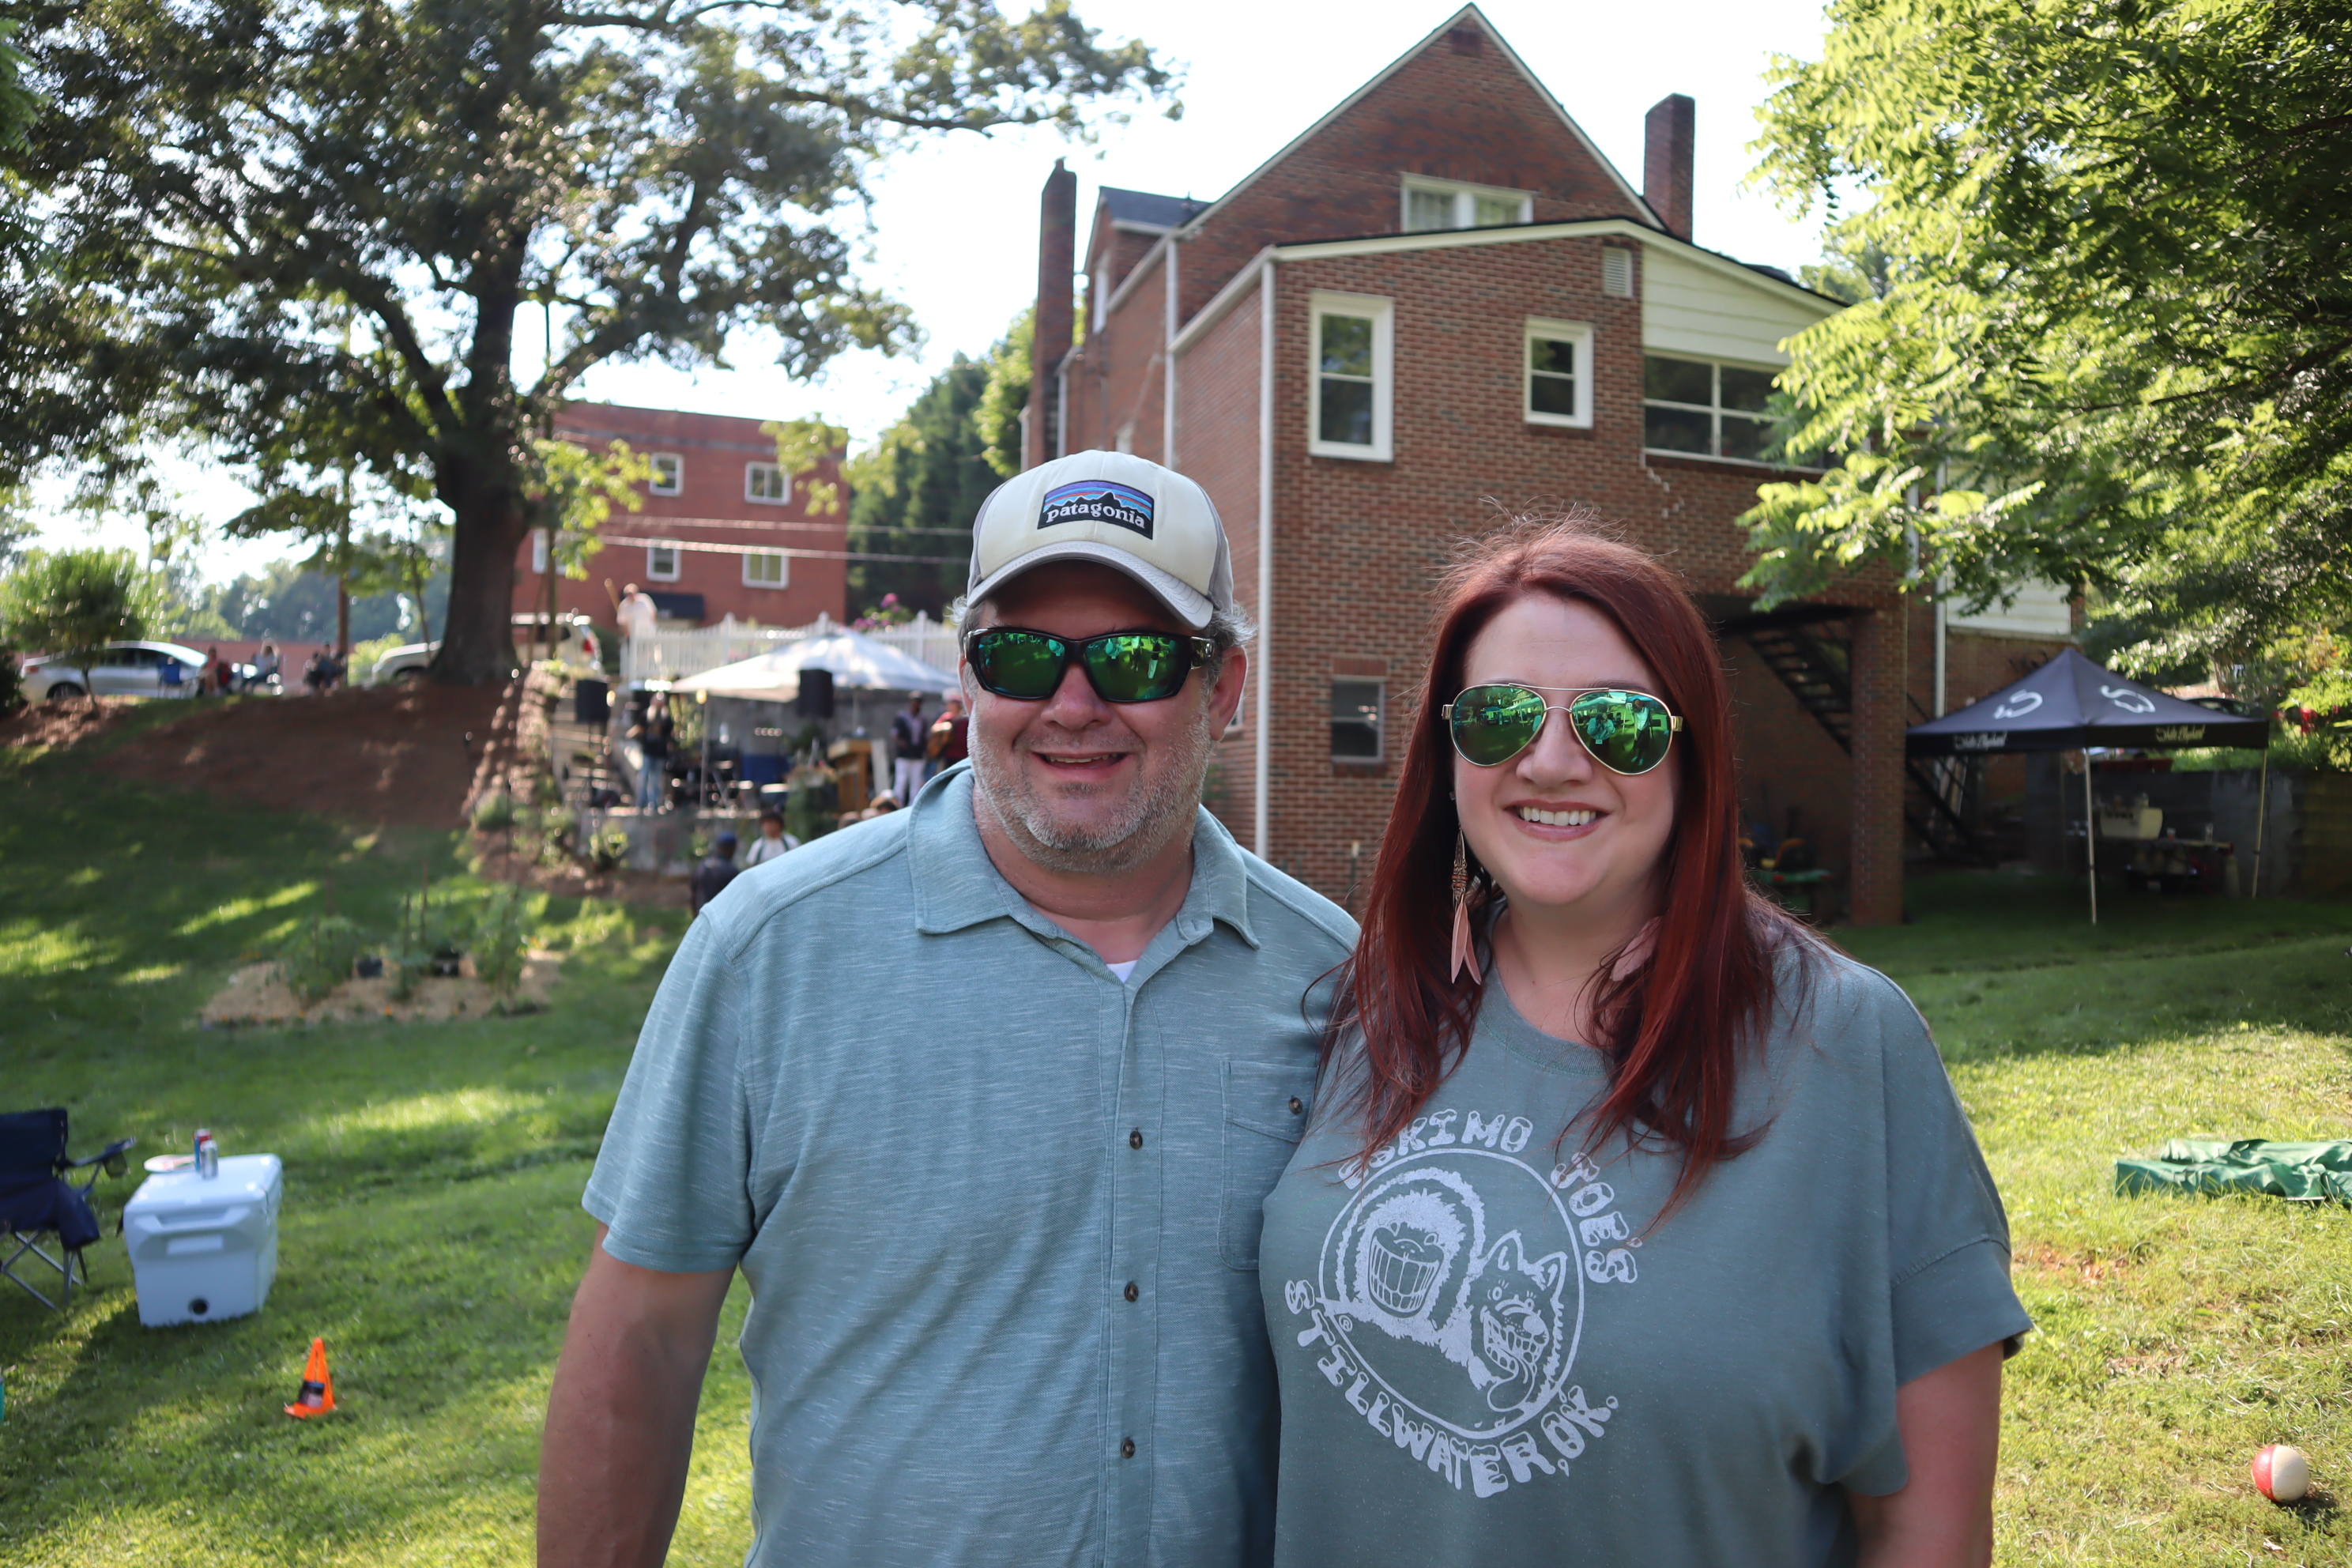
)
(1263, 740)
(1062, 408)
(1167, 361)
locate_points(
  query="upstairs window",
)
(1352, 376)
(1707, 409)
(1560, 372)
(1356, 720)
(661, 562)
(668, 474)
(767, 569)
(1434, 205)
(767, 484)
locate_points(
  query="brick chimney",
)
(1057, 236)
(1668, 136)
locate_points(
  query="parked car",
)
(119, 669)
(408, 661)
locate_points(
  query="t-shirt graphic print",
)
(1491, 1351)
(1450, 1293)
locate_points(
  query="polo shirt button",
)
(1127, 1448)
(1133, 1294)
(1135, 1139)
(1298, 1106)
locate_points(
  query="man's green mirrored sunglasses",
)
(1122, 666)
(1626, 732)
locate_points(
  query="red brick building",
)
(723, 531)
(1441, 297)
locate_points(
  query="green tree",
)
(2109, 337)
(70, 602)
(916, 491)
(305, 231)
(1007, 395)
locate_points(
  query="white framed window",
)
(668, 474)
(539, 552)
(1351, 367)
(1356, 720)
(767, 569)
(1558, 372)
(661, 562)
(1617, 271)
(1705, 408)
(1444, 203)
(767, 483)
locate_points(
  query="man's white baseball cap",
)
(1115, 509)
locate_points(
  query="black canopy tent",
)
(2072, 705)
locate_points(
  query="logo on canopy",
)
(2018, 704)
(2130, 701)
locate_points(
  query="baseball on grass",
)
(2281, 1473)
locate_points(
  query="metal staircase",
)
(1809, 648)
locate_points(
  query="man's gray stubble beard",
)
(1153, 818)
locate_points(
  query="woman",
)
(1632, 1224)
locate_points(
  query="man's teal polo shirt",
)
(999, 1212)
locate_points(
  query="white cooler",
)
(206, 1248)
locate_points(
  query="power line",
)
(707, 548)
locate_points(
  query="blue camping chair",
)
(36, 1198)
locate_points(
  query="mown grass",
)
(2175, 1336)
(432, 1232)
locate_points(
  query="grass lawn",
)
(433, 1233)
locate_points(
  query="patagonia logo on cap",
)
(1097, 501)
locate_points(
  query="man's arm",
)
(620, 1420)
(1950, 1421)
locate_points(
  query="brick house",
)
(723, 531)
(1440, 294)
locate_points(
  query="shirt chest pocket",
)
(1265, 1110)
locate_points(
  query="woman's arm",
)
(1950, 1421)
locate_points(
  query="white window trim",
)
(1715, 413)
(654, 574)
(752, 472)
(1379, 718)
(1465, 197)
(1381, 314)
(539, 552)
(783, 566)
(677, 486)
(1581, 335)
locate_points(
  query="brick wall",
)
(1115, 379)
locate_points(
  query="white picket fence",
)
(674, 653)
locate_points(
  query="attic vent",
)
(1465, 40)
(1617, 271)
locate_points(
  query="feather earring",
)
(1464, 951)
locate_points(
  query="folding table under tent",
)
(2072, 705)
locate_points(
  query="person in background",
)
(267, 664)
(718, 869)
(653, 735)
(637, 616)
(908, 735)
(1002, 1240)
(947, 744)
(218, 674)
(314, 671)
(1650, 1220)
(772, 840)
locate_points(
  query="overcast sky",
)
(955, 230)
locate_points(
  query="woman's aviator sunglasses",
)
(1122, 666)
(1626, 732)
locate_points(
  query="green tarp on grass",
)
(2308, 1172)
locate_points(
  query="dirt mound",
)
(255, 994)
(64, 723)
(393, 756)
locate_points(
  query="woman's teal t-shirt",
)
(1490, 1354)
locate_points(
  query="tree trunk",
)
(477, 628)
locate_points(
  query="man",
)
(653, 734)
(908, 735)
(711, 876)
(947, 745)
(1001, 1246)
(772, 840)
(636, 613)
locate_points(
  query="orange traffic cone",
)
(318, 1395)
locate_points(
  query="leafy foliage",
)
(2104, 335)
(318, 957)
(70, 601)
(1008, 393)
(303, 232)
(916, 491)
(496, 940)
(18, 106)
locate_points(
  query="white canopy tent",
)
(857, 662)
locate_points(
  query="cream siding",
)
(2042, 610)
(1707, 313)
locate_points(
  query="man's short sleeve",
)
(672, 1180)
(1948, 1239)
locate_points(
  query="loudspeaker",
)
(815, 699)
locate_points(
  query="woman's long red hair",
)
(1675, 1030)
